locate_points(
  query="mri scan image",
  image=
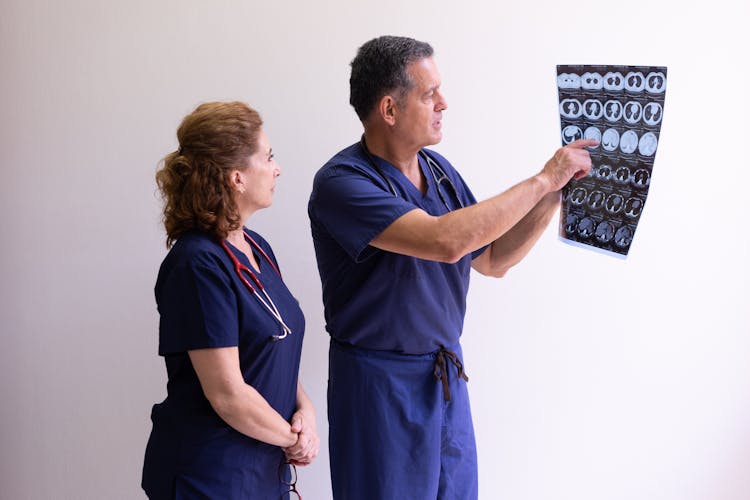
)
(568, 81)
(593, 133)
(593, 109)
(614, 203)
(592, 81)
(628, 142)
(635, 81)
(612, 111)
(652, 114)
(605, 231)
(570, 108)
(571, 133)
(622, 107)
(610, 139)
(633, 112)
(656, 82)
(614, 80)
(622, 175)
(647, 144)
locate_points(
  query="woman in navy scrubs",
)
(235, 421)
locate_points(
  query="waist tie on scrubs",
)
(441, 369)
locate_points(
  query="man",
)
(396, 231)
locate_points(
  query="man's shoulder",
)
(349, 162)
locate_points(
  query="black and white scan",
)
(621, 107)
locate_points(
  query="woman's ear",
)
(237, 181)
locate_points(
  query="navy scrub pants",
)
(396, 430)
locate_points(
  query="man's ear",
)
(388, 109)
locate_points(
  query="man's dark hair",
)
(379, 68)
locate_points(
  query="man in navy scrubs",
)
(396, 231)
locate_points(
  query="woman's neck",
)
(237, 239)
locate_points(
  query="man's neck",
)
(401, 156)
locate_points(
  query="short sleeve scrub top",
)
(202, 303)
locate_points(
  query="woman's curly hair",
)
(194, 181)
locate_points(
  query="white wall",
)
(645, 395)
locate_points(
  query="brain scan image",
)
(595, 200)
(593, 133)
(614, 81)
(570, 108)
(586, 227)
(622, 175)
(656, 82)
(569, 81)
(628, 142)
(614, 203)
(603, 172)
(593, 109)
(578, 196)
(605, 231)
(592, 81)
(610, 139)
(622, 108)
(571, 133)
(623, 236)
(635, 81)
(647, 144)
(571, 223)
(641, 178)
(652, 113)
(632, 112)
(633, 207)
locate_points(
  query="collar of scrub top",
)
(437, 172)
(265, 299)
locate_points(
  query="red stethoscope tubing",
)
(267, 302)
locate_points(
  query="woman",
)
(229, 330)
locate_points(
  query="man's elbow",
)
(498, 272)
(490, 271)
(450, 251)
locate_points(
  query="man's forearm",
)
(514, 245)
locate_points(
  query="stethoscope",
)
(264, 299)
(432, 167)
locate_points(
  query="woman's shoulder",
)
(196, 242)
(192, 248)
(193, 253)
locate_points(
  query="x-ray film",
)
(622, 108)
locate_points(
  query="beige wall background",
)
(591, 378)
